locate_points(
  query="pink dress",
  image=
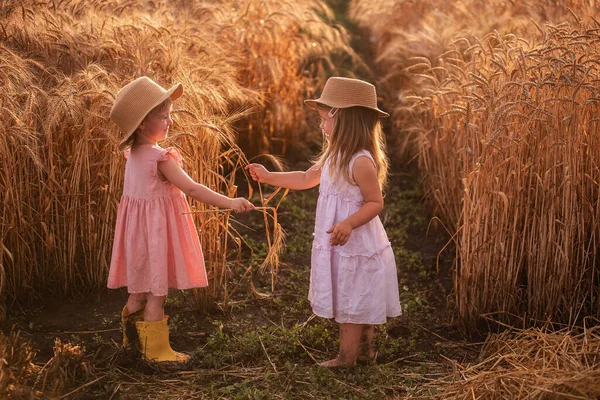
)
(155, 247)
(357, 282)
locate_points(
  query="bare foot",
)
(366, 360)
(335, 363)
(371, 356)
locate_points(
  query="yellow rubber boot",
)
(128, 325)
(154, 341)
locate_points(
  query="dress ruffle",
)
(170, 152)
(357, 290)
(342, 251)
(164, 155)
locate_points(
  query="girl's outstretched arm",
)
(296, 180)
(178, 177)
(365, 176)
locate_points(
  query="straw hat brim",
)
(174, 93)
(314, 104)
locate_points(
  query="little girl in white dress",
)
(353, 270)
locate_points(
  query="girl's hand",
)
(340, 233)
(240, 204)
(258, 172)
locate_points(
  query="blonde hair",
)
(355, 129)
(165, 105)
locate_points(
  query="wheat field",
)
(63, 62)
(498, 103)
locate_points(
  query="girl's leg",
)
(153, 332)
(367, 351)
(135, 302)
(154, 308)
(133, 311)
(350, 340)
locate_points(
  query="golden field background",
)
(244, 65)
(498, 101)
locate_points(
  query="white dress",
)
(357, 282)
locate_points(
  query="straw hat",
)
(135, 100)
(346, 92)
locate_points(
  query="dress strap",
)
(354, 157)
(164, 154)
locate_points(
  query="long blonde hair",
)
(355, 129)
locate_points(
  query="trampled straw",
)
(536, 363)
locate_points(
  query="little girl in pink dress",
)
(155, 246)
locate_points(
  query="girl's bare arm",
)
(296, 180)
(365, 176)
(178, 177)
